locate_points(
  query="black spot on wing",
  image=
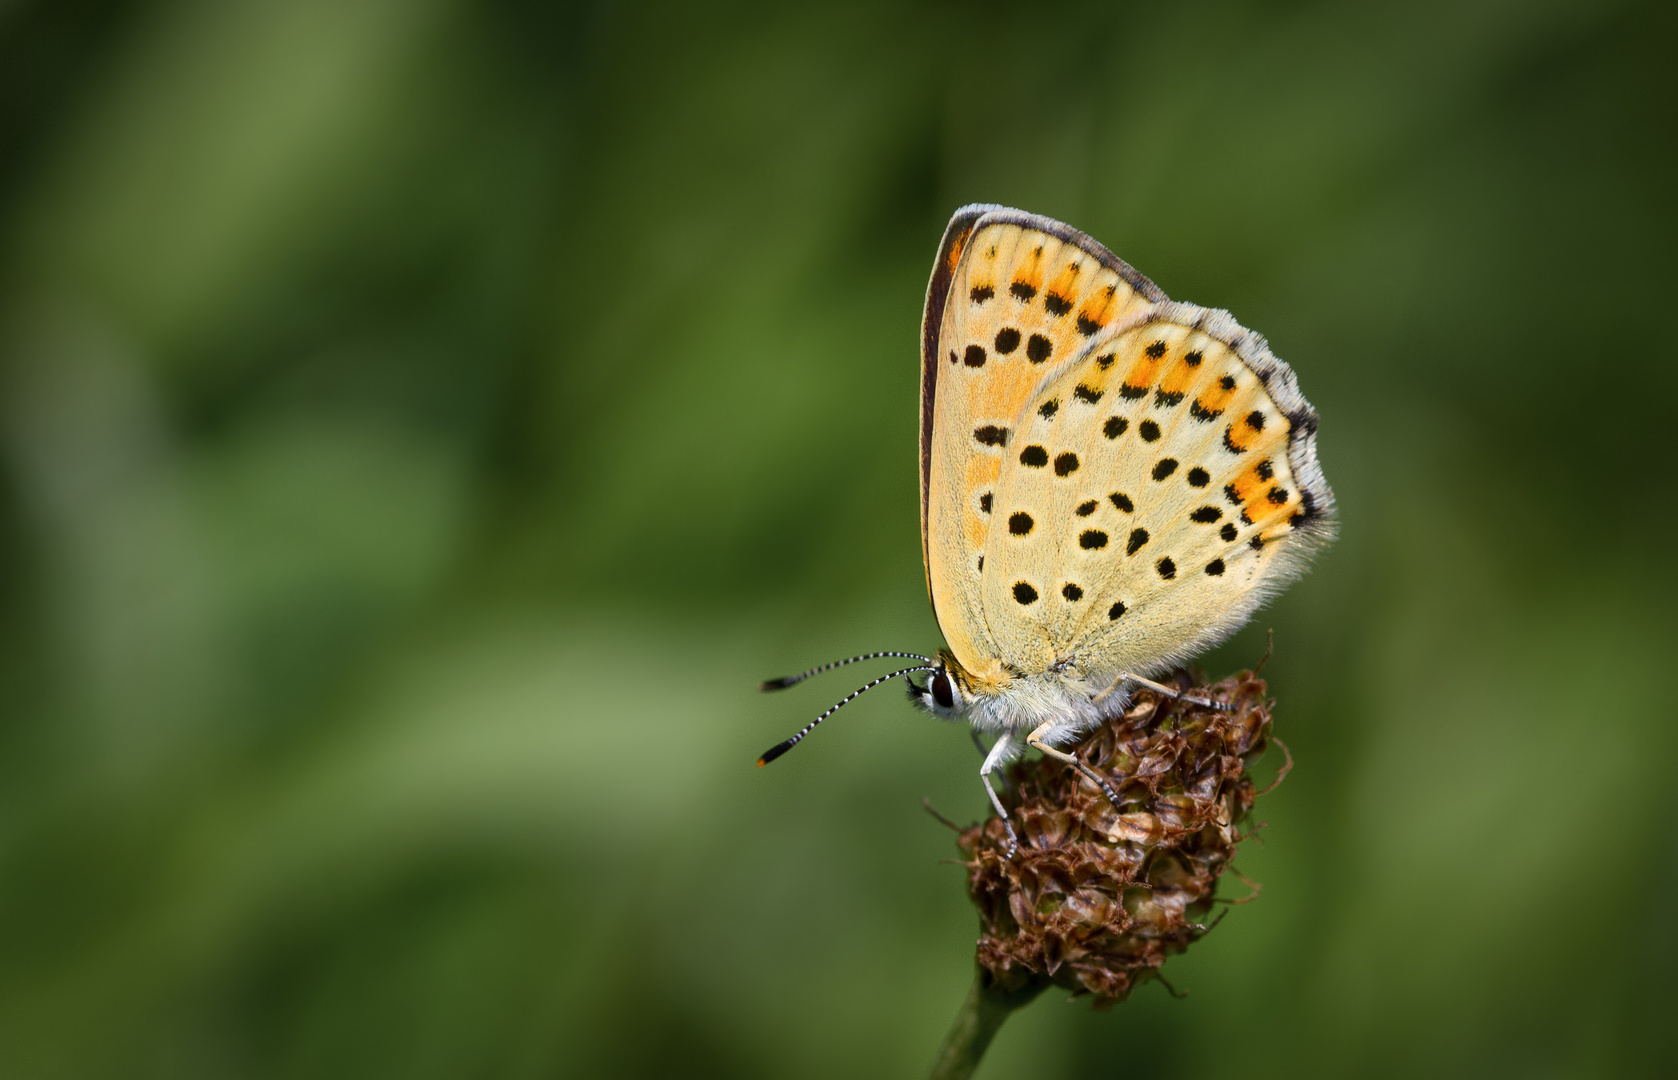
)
(1199, 477)
(1228, 532)
(975, 356)
(1114, 427)
(1007, 340)
(1167, 569)
(1092, 539)
(1020, 523)
(1265, 469)
(1116, 610)
(1156, 350)
(984, 503)
(1048, 409)
(1087, 393)
(1038, 348)
(1085, 509)
(1056, 303)
(1194, 358)
(1307, 511)
(1203, 415)
(1104, 362)
(1149, 430)
(1138, 537)
(1066, 464)
(981, 293)
(990, 435)
(1215, 567)
(1206, 515)
(1165, 399)
(1023, 290)
(1121, 501)
(1034, 456)
(1024, 593)
(1164, 468)
(1071, 591)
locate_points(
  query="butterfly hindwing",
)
(1014, 298)
(1176, 492)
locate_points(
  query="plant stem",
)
(980, 1018)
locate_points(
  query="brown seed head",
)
(1096, 897)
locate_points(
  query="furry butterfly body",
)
(1111, 481)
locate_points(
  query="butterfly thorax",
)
(997, 700)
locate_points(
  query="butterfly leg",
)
(1035, 740)
(993, 763)
(1125, 676)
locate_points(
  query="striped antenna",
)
(780, 748)
(793, 680)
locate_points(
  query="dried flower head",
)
(1097, 897)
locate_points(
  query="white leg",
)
(993, 763)
(1125, 676)
(1035, 740)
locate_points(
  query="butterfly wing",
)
(1013, 296)
(1170, 475)
(1106, 476)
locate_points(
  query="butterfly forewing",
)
(1024, 298)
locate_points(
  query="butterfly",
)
(1111, 482)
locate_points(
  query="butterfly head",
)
(950, 690)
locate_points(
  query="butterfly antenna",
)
(793, 680)
(780, 748)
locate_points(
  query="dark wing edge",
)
(1002, 215)
(963, 224)
(932, 321)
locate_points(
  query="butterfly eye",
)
(941, 691)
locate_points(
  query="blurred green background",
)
(422, 423)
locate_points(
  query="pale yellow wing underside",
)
(1018, 303)
(1109, 479)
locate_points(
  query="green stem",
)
(980, 1018)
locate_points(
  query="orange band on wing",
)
(1028, 276)
(1179, 378)
(1063, 291)
(1097, 311)
(1244, 432)
(1145, 370)
(1214, 399)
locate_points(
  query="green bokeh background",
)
(422, 423)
